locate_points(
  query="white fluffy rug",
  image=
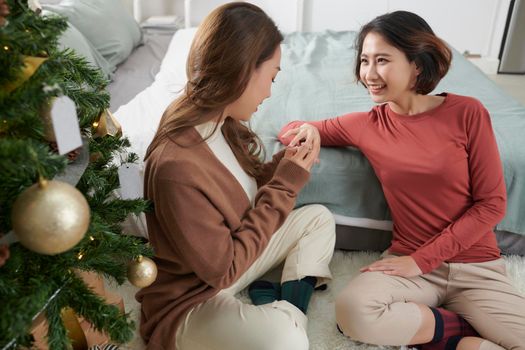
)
(321, 327)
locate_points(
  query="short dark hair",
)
(411, 34)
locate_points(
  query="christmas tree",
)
(39, 273)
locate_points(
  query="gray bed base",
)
(359, 238)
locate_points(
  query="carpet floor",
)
(322, 331)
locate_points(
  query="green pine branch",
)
(102, 316)
(30, 282)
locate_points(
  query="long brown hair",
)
(231, 42)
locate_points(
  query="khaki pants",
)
(381, 309)
(305, 243)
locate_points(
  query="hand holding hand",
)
(404, 266)
(303, 155)
(305, 134)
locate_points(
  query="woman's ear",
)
(418, 69)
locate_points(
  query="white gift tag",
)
(35, 6)
(65, 124)
(131, 183)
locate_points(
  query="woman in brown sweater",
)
(221, 217)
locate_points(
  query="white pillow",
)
(140, 117)
(105, 23)
(73, 39)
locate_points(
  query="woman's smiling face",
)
(385, 70)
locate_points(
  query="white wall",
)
(478, 31)
(156, 7)
(468, 25)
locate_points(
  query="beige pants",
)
(381, 309)
(305, 243)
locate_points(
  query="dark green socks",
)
(296, 292)
(299, 292)
(264, 292)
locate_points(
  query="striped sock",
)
(299, 292)
(450, 324)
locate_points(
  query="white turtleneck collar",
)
(206, 129)
(221, 149)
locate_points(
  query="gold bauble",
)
(31, 64)
(50, 217)
(107, 124)
(75, 332)
(142, 272)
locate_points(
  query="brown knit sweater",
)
(203, 229)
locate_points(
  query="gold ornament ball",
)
(50, 217)
(142, 272)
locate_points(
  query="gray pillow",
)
(73, 39)
(105, 23)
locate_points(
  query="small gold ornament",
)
(75, 332)
(45, 113)
(31, 64)
(50, 217)
(142, 272)
(107, 125)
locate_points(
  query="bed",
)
(316, 82)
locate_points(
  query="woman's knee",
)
(322, 213)
(321, 221)
(358, 311)
(281, 336)
(291, 338)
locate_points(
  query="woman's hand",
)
(302, 155)
(305, 134)
(404, 266)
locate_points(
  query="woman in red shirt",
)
(438, 163)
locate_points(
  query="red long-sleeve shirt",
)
(440, 172)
